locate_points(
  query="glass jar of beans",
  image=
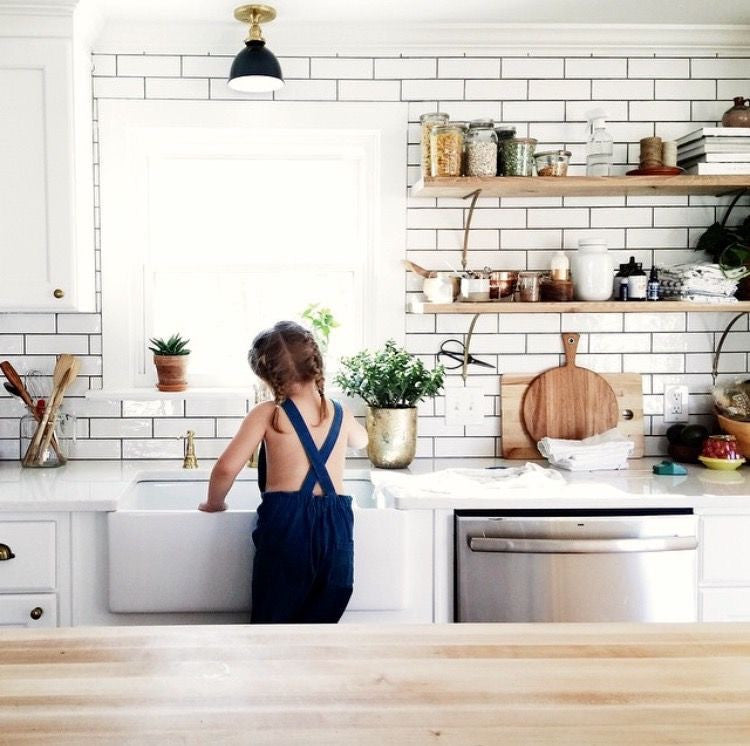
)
(446, 149)
(481, 148)
(428, 121)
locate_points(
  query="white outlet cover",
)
(464, 405)
(676, 406)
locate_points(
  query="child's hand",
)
(208, 507)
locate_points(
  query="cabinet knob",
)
(36, 612)
(58, 293)
(6, 553)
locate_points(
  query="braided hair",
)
(285, 355)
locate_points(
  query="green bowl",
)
(721, 464)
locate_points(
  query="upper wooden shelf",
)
(578, 186)
(577, 306)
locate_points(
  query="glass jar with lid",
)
(481, 148)
(428, 121)
(518, 156)
(446, 149)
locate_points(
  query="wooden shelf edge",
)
(666, 306)
(580, 186)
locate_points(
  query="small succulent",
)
(175, 345)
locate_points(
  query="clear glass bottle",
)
(599, 147)
(446, 150)
(60, 447)
(428, 121)
(481, 148)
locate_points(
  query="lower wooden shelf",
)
(664, 306)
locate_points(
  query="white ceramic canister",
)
(592, 269)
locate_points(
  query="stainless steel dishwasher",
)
(576, 566)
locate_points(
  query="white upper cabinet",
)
(45, 254)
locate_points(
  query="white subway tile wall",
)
(545, 96)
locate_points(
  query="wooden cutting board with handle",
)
(516, 442)
(569, 402)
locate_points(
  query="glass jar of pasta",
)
(428, 121)
(446, 149)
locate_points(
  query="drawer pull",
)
(6, 553)
(36, 612)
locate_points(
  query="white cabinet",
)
(725, 604)
(46, 241)
(27, 556)
(28, 610)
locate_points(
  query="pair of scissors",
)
(455, 350)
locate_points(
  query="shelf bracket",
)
(467, 345)
(464, 254)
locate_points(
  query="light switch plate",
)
(464, 405)
(676, 407)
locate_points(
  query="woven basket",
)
(740, 430)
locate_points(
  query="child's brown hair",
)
(284, 355)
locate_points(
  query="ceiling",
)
(446, 11)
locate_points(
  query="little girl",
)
(304, 550)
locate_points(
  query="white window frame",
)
(132, 131)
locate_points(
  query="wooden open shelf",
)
(579, 186)
(664, 306)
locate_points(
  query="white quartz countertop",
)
(98, 486)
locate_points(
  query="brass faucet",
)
(190, 461)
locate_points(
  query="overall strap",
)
(318, 472)
(333, 435)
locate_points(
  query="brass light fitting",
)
(255, 69)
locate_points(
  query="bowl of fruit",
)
(720, 452)
(686, 442)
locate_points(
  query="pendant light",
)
(255, 69)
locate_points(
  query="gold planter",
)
(392, 437)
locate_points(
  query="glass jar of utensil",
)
(47, 444)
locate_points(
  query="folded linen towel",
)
(608, 450)
(465, 482)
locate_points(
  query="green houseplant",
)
(170, 359)
(391, 382)
(321, 322)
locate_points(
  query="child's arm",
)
(356, 434)
(234, 458)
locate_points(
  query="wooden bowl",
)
(740, 430)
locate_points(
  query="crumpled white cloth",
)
(608, 450)
(465, 482)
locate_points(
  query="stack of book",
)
(715, 150)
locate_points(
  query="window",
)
(217, 230)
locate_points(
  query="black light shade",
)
(255, 69)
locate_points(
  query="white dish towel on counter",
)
(465, 482)
(608, 450)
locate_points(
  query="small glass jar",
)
(446, 150)
(518, 156)
(529, 287)
(60, 446)
(428, 121)
(481, 149)
(552, 163)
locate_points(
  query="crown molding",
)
(290, 38)
(38, 7)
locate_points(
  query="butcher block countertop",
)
(378, 685)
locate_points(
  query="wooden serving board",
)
(569, 401)
(516, 442)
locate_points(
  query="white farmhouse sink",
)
(166, 556)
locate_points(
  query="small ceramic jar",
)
(592, 269)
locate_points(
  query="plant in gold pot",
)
(170, 359)
(391, 382)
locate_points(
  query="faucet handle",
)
(190, 461)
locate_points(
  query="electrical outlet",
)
(464, 406)
(676, 404)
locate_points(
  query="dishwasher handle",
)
(582, 546)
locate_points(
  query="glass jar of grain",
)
(481, 148)
(518, 156)
(428, 121)
(446, 149)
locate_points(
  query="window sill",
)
(148, 394)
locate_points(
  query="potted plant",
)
(391, 382)
(170, 359)
(322, 323)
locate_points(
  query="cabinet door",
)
(725, 605)
(725, 558)
(37, 223)
(28, 610)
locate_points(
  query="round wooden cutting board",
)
(569, 402)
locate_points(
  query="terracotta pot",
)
(171, 372)
(392, 437)
(738, 115)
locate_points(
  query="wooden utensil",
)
(66, 370)
(70, 377)
(516, 443)
(421, 271)
(15, 380)
(569, 401)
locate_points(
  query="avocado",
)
(674, 432)
(693, 435)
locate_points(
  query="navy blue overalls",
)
(304, 544)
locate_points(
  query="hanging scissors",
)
(454, 350)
